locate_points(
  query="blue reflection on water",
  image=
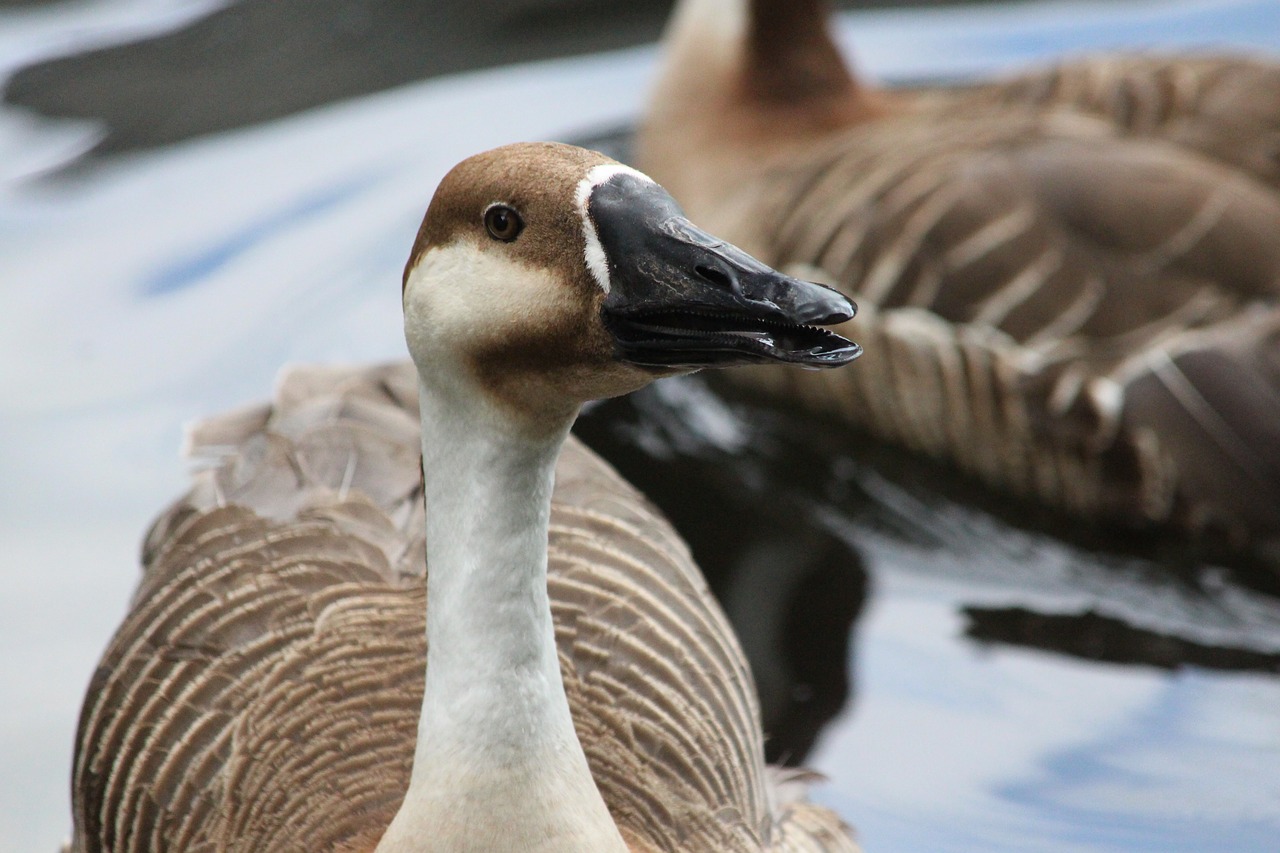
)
(1108, 793)
(189, 271)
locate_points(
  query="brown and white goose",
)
(582, 690)
(1069, 280)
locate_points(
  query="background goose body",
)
(266, 690)
(1223, 107)
(1069, 280)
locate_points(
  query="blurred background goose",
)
(1069, 278)
(582, 691)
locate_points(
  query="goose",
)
(555, 676)
(1068, 279)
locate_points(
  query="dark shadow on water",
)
(257, 60)
(1093, 636)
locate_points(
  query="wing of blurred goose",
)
(1069, 279)
(582, 690)
(1224, 107)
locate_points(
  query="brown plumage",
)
(266, 690)
(263, 693)
(1068, 279)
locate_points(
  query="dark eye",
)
(503, 222)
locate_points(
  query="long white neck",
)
(498, 765)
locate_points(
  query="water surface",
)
(998, 689)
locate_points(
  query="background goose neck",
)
(790, 55)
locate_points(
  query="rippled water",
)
(966, 682)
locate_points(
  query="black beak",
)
(679, 297)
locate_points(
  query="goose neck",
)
(768, 51)
(747, 86)
(488, 498)
(498, 764)
(790, 54)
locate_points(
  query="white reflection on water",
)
(165, 285)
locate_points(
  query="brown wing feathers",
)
(264, 691)
(1224, 107)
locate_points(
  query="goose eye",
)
(503, 223)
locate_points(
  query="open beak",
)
(679, 297)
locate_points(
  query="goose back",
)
(1067, 281)
(1223, 106)
(263, 692)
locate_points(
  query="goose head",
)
(546, 275)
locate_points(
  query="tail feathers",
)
(800, 825)
(1211, 399)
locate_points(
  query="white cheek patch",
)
(460, 296)
(595, 257)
